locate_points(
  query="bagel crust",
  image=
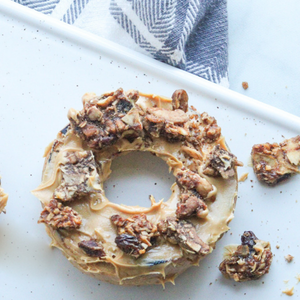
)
(137, 245)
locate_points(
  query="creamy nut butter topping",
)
(133, 245)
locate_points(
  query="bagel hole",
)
(136, 176)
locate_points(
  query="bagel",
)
(129, 245)
(3, 199)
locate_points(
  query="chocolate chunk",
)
(92, 248)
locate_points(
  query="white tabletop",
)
(264, 50)
(45, 69)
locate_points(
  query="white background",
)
(264, 50)
(44, 71)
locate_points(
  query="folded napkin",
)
(189, 34)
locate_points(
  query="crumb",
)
(289, 292)
(286, 281)
(243, 177)
(298, 278)
(277, 246)
(245, 85)
(250, 163)
(289, 258)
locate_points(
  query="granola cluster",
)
(135, 235)
(273, 163)
(170, 124)
(77, 174)
(212, 131)
(221, 163)
(106, 119)
(193, 189)
(184, 234)
(249, 261)
(59, 216)
(79, 177)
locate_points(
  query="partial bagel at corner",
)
(3, 199)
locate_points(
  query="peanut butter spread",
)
(3, 199)
(133, 245)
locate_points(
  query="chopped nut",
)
(192, 152)
(191, 205)
(193, 188)
(243, 177)
(92, 248)
(212, 130)
(135, 235)
(59, 216)
(172, 116)
(167, 123)
(250, 261)
(184, 234)
(79, 176)
(273, 163)
(289, 258)
(221, 162)
(133, 95)
(180, 100)
(245, 85)
(189, 180)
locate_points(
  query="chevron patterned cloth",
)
(189, 34)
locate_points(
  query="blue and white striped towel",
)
(189, 34)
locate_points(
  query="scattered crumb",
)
(250, 163)
(243, 177)
(289, 292)
(277, 246)
(286, 281)
(298, 278)
(289, 258)
(245, 85)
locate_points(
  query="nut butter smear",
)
(133, 245)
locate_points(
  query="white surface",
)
(45, 69)
(264, 50)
